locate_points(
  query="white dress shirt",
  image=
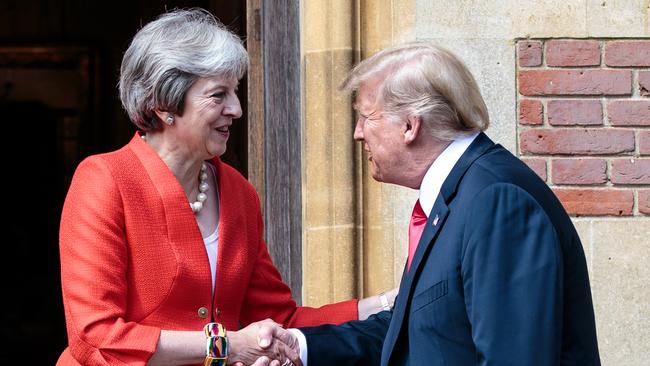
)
(212, 241)
(440, 169)
(429, 190)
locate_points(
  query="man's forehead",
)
(365, 96)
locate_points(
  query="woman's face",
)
(211, 104)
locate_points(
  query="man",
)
(499, 275)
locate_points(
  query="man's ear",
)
(413, 128)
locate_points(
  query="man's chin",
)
(382, 178)
(375, 175)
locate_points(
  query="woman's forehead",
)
(217, 81)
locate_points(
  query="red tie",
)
(418, 219)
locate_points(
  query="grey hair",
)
(168, 55)
(421, 79)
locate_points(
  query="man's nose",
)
(358, 130)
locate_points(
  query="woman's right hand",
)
(253, 346)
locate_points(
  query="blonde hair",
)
(425, 80)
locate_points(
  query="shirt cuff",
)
(302, 343)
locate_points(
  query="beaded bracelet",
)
(216, 345)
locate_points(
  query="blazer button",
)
(203, 312)
(217, 312)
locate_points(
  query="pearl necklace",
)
(197, 205)
(203, 187)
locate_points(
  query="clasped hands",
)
(264, 343)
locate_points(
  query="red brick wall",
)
(584, 121)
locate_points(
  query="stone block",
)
(500, 19)
(621, 291)
(329, 148)
(627, 18)
(330, 267)
(327, 25)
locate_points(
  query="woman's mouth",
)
(223, 131)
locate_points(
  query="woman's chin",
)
(215, 153)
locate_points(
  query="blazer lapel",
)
(232, 248)
(435, 222)
(183, 231)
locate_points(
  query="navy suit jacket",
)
(499, 278)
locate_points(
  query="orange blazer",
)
(133, 261)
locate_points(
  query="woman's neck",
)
(184, 167)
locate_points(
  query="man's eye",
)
(363, 117)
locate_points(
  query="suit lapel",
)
(435, 222)
(433, 226)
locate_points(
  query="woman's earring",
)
(169, 120)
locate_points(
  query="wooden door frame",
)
(274, 129)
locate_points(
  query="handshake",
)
(264, 343)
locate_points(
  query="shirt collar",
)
(440, 169)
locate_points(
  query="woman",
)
(160, 237)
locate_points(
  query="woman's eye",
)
(219, 95)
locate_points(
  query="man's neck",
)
(423, 158)
(438, 171)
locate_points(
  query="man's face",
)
(383, 140)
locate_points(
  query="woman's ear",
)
(165, 117)
(413, 128)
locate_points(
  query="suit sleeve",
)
(267, 296)
(512, 278)
(355, 343)
(93, 253)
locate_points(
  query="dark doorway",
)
(59, 65)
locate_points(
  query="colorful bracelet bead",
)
(211, 361)
(214, 329)
(216, 347)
